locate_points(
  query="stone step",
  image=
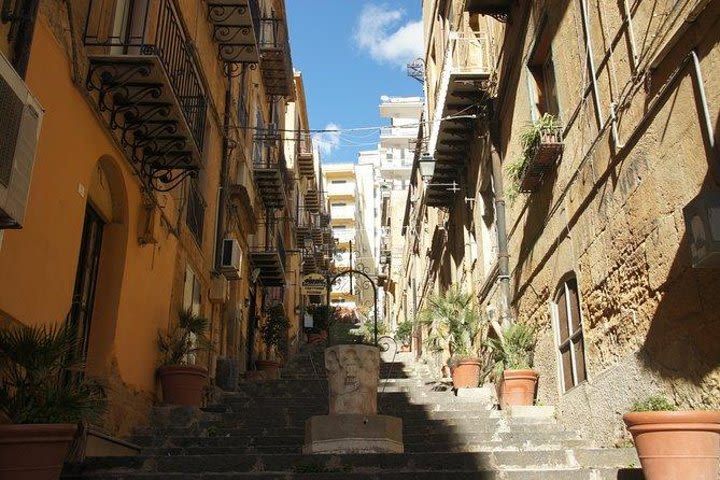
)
(222, 428)
(504, 460)
(573, 474)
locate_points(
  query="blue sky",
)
(351, 52)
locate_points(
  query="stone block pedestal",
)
(353, 433)
(353, 425)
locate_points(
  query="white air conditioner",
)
(231, 259)
(21, 115)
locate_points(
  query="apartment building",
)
(159, 179)
(598, 231)
(340, 191)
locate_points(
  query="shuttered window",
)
(570, 339)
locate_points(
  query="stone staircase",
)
(258, 432)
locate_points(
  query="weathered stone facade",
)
(637, 150)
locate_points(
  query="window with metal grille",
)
(195, 211)
(570, 340)
(11, 109)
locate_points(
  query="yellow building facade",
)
(160, 183)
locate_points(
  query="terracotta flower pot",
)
(34, 452)
(466, 373)
(315, 338)
(183, 384)
(269, 366)
(518, 388)
(404, 348)
(683, 444)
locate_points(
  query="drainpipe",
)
(698, 77)
(222, 198)
(22, 34)
(591, 59)
(631, 34)
(503, 255)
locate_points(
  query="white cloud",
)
(381, 32)
(327, 142)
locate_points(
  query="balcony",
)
(344, 189)
(399, 137)
(270, 170)
(306, 160)
(462, 88)
(271, 262)
(499, 9)
(235, 24)
(146, 83)
(275, 59)
(345, 212)
(541, 158)
(312, 201)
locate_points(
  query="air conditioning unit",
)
(231, 259)
(21, 116)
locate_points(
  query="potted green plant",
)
(274, 333)
(323, 317)
(672, 443)
(44, 395)
(454, 322)
(181, 380)
(513, 363)
(403, 334)
(541, 144)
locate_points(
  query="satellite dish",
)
(254, 276)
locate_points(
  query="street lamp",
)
(427, 166)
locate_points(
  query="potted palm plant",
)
(182, 381)
(674, 444)
(44, 396)
(454, 323)
(513, 357)
(274, 334)
(403, 334)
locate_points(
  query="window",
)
(570, 341)
(545, 88)
(195, 217)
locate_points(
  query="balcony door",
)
(128, 29)
(86, 279)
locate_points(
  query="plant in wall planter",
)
(455, 324)
(44, 395)
(675, 444)
(274, 333)
(403, 334)
(541, 145)
(513, 357)
(183, 382)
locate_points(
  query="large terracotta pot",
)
(466, 373)
(34, 452)
(671, 445)
(315, 338)
(183, 384)
(269, 366)
(518, 388)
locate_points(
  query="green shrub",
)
(42, 379)
(403, 333)
(514, 350)
(655, 403)
(274, 329)
(184, 339)
(454, 323)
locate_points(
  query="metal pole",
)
(351, 267)
(376, 310)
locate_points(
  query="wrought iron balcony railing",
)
(236, 26)
(270, 169)
(147, 84)
(275, 58)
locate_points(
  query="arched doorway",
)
(101, 264)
